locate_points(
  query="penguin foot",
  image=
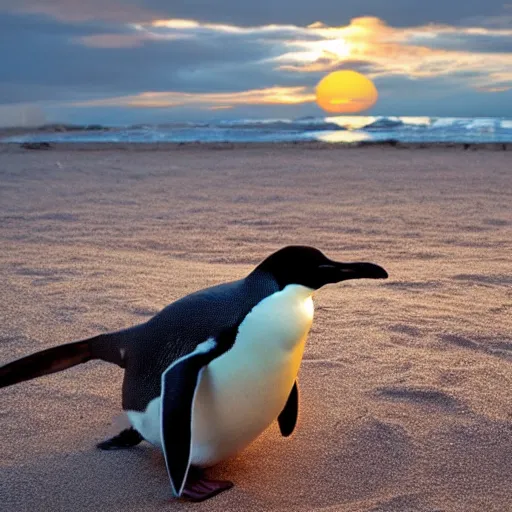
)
(126, 439)
(199, 488)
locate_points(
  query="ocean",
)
(328, 129)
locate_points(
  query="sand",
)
(406, 384)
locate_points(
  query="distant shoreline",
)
(314, 145)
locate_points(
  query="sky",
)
(155, 61)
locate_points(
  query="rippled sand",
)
(406, 384)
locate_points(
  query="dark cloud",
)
(467, 42)
(117, 11)
(331, 12)
(238, 12)
(45, 62)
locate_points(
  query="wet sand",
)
(406, 384)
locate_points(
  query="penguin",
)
(210, 372)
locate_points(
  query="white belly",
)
(243, 391)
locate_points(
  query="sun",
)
(346, 92)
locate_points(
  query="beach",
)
(405, 385)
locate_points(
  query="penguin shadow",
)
(136, 479)
(133, 479)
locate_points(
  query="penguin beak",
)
(361, 270)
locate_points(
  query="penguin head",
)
(307, 266)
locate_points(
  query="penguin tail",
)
(62, 357)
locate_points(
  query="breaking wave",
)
(331, 129)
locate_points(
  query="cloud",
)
(82, 10)
(369, 43)
(498, 88)
(366, 42)
(503, 20)
(417, 52)
(269, 96)
(398, 13)
(112, 40)
(182, 64)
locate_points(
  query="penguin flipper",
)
(106, 347)
(288, 418)
(179, 386)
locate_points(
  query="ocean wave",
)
(297, 125)
(335, 129)
(384, 123)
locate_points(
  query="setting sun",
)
(346, 92)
